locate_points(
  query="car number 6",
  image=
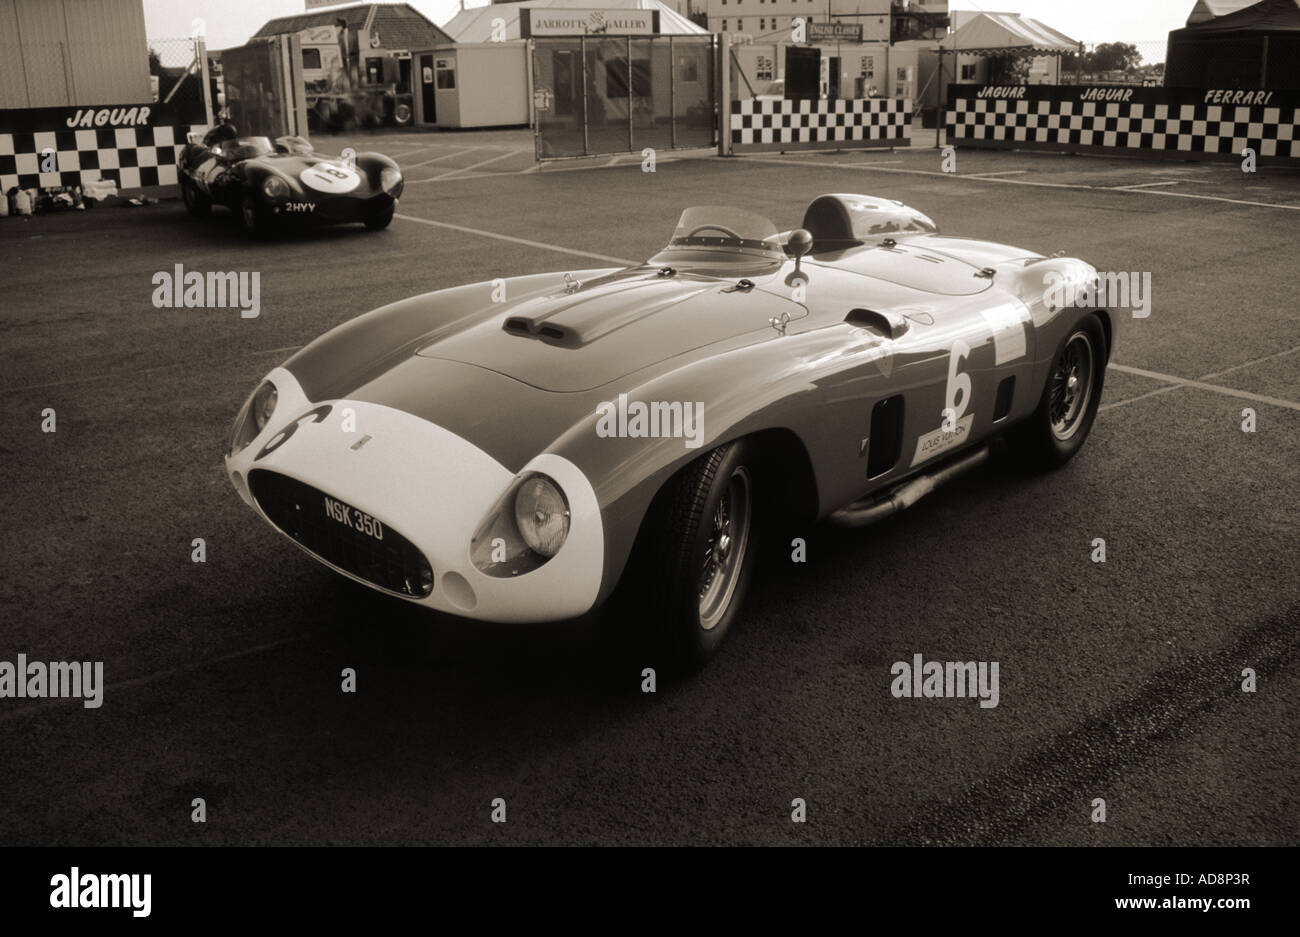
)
(958, 384)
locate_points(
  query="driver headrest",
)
(827, 220)
(220, 134)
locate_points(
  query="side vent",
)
(890, 325)
(885, 435)
(1002, 403)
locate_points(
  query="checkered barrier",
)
(1185, 124)
(139, 159)
(766, 125)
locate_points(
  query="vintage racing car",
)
(528, 450)
(267, 183)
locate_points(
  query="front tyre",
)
(699, 555)
(253, 219)
(1057, 429)
(379, 218)
(196, 203)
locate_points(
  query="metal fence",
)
(597, 97)
(179, 69)
(1190, 61)
(257, 83)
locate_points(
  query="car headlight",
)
(542, 515)
(526, 527)
(275, 188)
(390, 180)
(253, 417)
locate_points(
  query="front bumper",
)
(431, 486)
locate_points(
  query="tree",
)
(1114, 56)
(155, 62)
(1008, 69)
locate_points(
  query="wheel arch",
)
(785, 478)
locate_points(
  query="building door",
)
(803, 72)
(567, 99)
(833, 85)
(428, 106)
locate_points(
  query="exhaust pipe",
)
(862, 513)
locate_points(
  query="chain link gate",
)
(608, 95)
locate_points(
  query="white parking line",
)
(111, 375)
(515, 240)
(1147, 185)
(1044, 185)
(1127, 400)
(1199, 385)
(1238, 367)
(986, 175)
(455, 172)
(438, 159)
(32, 709)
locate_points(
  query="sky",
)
(230, 22)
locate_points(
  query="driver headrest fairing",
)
(841, 221)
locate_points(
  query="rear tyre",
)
(379, 218)
(1056, 430)
(695, 558)
(196, 203)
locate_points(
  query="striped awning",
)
(1003, 33)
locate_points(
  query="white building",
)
(765, 19)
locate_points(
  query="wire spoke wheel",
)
(1071, 386)
(724, 550)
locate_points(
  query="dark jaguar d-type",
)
(271, 184)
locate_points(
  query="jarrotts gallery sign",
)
(92, 117)
(550, 21)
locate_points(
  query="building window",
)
(968, 72)
(444, 72)
(763, 68)
(762, 22)
(311, 58)
(724, 26)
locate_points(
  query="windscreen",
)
(248, 148)
(710, 226)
